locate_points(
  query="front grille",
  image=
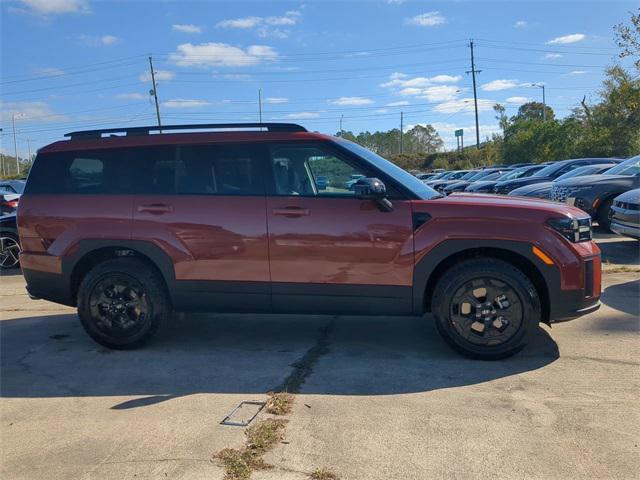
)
(559, 194)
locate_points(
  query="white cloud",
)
(573, 38)
(440, 93)
(517, 100)
(520, 24)
(396, 2)
(241, 77)
(464, 105)
(382, 110)
(131, 96)
(185, 103)
(577, 72)
(351, 101)
(51, 72)
(263, 25)
(56, 7)
(398, 79)
(429, 19)
(28, 112)
(276, 100)
(102, 41)
(551, 56)
(108, 40)
(303, 115)
(397, 104)
(186, 28)
(410, 91)
(496, 85)
(221, 55)
(161, 75)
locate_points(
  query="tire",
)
(9, 251)
(122, 303)
(604, 221)
(507, 319)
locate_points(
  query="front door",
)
(329, 251)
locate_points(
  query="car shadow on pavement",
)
(624, 297)
(51, 356)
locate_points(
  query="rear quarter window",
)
(79, 173)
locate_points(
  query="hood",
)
(536, 187)
(632, 196)
(478, 205)
(597, 180)
(521, 182)
(486, 184)
(458, 184)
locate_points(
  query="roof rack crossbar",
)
(271, 127)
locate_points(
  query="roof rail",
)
(271, 127)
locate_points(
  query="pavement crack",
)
(303, 367)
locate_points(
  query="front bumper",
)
(626, 230)
(569, 304)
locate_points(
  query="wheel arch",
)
(436, 262)
(89, 253)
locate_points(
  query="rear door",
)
(205, 206)
(330, 251)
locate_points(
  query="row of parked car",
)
(606, 188)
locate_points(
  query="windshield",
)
(628, 167)
(470, 175)
(399, 175)
(519, 172)
(578, 172)
(549, 170)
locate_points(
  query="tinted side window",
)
(218, 170)
(86, 172)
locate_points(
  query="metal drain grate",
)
(244, 413)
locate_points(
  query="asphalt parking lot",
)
(384, 398)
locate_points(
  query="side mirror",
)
(373, 189)
(369, 189)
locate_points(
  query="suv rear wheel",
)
(122, 302)
(486, 308)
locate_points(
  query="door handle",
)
(155, 208)
(291, 211)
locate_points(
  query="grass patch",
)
(322, 474)
(620, 269)
(264, 435)
(279, 403)
(261, 437)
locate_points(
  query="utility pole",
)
(15, 143)
(260, 103)
(1, 155)
(155, 93)
(473, 72)
(401, 132)
(29, 147)
(341, 117)
(544, 100)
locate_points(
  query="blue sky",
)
(81, 64)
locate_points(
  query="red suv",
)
(128, 225)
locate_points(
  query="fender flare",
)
(426, 267)
(150, 250)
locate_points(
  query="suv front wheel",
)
(122, 302)
(486, 308)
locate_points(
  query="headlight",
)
(573, 229)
